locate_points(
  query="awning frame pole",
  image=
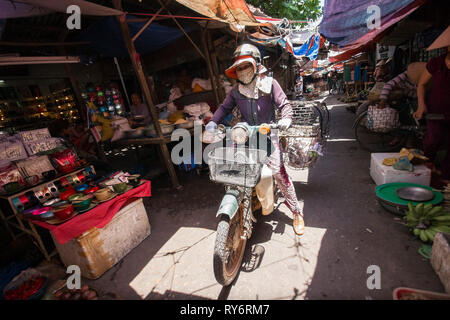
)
(184, 31)
(145, 26)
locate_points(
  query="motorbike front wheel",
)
(229, 247)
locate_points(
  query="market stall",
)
(49, 188)
(45, 183)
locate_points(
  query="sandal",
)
(298, 225)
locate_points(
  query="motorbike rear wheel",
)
(229, 248)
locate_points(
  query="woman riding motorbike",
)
(256, 95)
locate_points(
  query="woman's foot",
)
(298, 224)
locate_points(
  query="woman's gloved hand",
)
(284, 124)
(211, 126)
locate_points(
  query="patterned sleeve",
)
(398, 81)
(281, 101)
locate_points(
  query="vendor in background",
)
(79, 137)
(299, 85)
(382, 72)
(437, 101)
(138, 108)
(405, 83)
(330, 81)
(184, 82)
(76, 135)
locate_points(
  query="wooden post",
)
(145, 89)
(210, 69)
(215, 66)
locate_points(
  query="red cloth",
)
(98, 217)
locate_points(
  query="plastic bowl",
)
(75, 196)
(91, 190)
(49, 215)
(67, 193)
(81, 188)
(63, 212)
(60, 203)
(44, 213)
(120, 187)
(51, 202)
(82, 205)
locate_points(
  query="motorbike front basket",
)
(236, 166)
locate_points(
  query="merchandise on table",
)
(72, 195)
(31, 157)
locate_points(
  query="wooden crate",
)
(97, 250)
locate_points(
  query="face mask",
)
(246, 75)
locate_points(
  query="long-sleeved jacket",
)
(255, 111)
(402, 82)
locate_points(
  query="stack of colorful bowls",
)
(82, 203)
(64, 211)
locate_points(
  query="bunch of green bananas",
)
(426, 221)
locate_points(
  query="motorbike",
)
(239, 166)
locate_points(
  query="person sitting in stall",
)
(138, 108)
(184, 82)
(437, 101)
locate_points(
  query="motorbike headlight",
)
(239, 135)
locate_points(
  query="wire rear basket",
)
(304, 141)
(302, 146)
(236, 166)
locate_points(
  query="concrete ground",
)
(347, 231)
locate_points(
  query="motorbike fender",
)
(230, 204)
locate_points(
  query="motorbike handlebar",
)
(264, 128)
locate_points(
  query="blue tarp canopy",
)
(345, 21)
(106, 37)
(309, 49)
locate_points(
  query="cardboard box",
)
(98, 250)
